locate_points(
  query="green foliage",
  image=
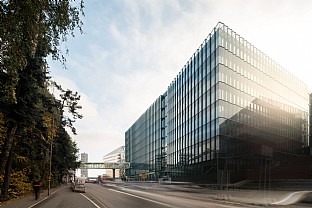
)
(20, 184)
(30, 117)
(65, 149)
(69, 100)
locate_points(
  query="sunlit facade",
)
(117, 155)
(229, 109)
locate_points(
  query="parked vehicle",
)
(78, 185)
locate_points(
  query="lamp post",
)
(49, 178)
(50, 162)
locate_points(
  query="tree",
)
(64, 153)
(30, 31)
(68, 100)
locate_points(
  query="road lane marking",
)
(98, 200)
(167, 205)
(91, 201)
(46, 197)
(291, 195)
(216, 203)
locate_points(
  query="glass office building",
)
(146, 143)
(230, 110)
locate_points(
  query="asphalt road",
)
(98, 196)
(150, 194)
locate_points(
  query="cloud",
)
(132, 50)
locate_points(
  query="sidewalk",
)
(242, 196)
(267, 197)
(29, 201)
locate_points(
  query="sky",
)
(131, 50)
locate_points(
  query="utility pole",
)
(51, 148)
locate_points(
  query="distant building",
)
(84, 158)
(118, 155)
(232, 113)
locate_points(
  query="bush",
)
(19, 184)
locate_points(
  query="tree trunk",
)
(7, 175)
(7, 146)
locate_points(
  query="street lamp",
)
(50, 165)
(49, 178)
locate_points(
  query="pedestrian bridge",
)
(104, 165)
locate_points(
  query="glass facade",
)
(145, 143)
(228, 108)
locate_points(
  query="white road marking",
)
(291, 195)
(90, 201)
(231, 204)
(98, 200)
(167, 205)
(47, 197)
